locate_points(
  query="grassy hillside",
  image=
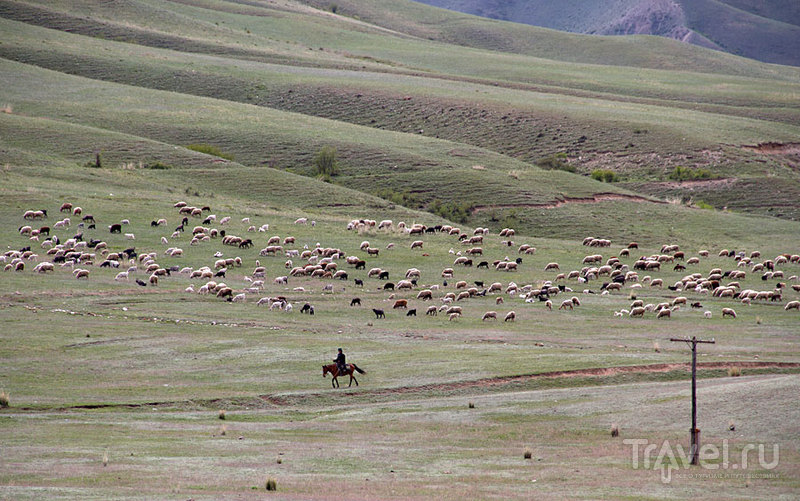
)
(116, 389)
(766, 31)
(539, 110)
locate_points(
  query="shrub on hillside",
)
(605, 175)
(680, 173)
(557, 161)
(325, 163)
(210, 150)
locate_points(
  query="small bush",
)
(221, 414)
(734, 371)
(528, 454)
(158, 166)
(209, 150)
(7, 109)
(271, 484)
(604, 175)
(223, 430)
(614, 430)
(703, 205)
(555, 162)
(656, 347)
(279, 461)
(680, 173)
(3, 399)
(325, 163)
(472, 405)
(105, 458)
(333, 8)
(458, 212)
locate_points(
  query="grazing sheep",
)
(552, 266)
(637, 312)
(664, 312)
(575, 301)
(729, 312)
(400, 303)
(412, 312)
(239, 298)
(489, 315)
(425, 295)
(567, 303)
(378, 313)
(416, 243)
(510, 317)
(792, 304)
(454, 316)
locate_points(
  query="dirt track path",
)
(284, 400)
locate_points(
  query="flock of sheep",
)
(597, 274)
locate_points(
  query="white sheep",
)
(122, 275)
(239, 298)
(130, 236)
(707, 314)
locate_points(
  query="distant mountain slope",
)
(766, 30)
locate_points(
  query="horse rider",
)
(340, 363)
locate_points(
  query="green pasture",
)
(114, 389)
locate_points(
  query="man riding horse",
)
(341, 365)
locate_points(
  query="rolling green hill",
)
(767, 31)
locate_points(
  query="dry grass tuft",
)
(105, 458)
(731, 425)
(614, 430)
(7, 108)
(3, 399)
(472, 405)
(514, 173)
(758, 320)
(271, 484)
(734, 371)
(656, 347)
(221, 414)
(632, 296)
(479, 167)
(223, 430)
(528, 454)
(279, 461)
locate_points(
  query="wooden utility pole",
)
(694, 447)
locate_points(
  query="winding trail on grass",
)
(308, 398)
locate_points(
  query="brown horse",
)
(334, 370)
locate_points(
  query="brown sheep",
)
(499, 300)
(400, 303)
(461, 284)
(425, 295)
(414, 244)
